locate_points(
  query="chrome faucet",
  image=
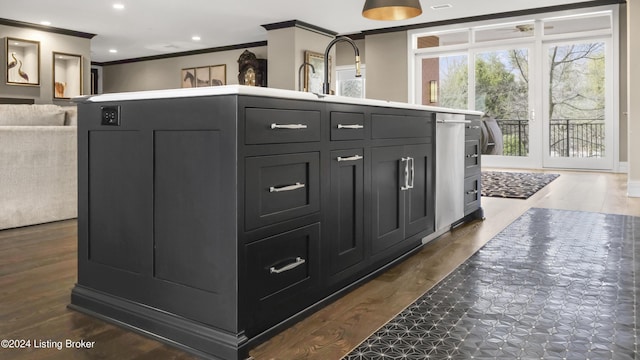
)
(325, 84)
(300, 72)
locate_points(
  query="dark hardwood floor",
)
(38, 270)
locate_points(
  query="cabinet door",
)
(346, 220)
(387, 178)
(419, 204)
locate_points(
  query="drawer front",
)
(271, 126)
(472, 193)
(471, 157)
(347, 126)
(282, 275)
(473, 130)
(281, 187)
(385, 126)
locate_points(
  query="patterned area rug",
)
(513, 184)
(554, 284)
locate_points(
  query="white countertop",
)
(261, 91)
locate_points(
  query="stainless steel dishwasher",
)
(449, 171)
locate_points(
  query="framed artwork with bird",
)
(23, 62)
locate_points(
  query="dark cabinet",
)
(345, 240)
(214, 222)
(402, 194)
(281, 187)
(284, 273)
(472, 168)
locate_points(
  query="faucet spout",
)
(313, 69)
(325, 84)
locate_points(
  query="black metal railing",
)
(582, 138)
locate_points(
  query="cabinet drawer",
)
(472, 193)
(347, 126)
(280, 187)
(473, 129)
(384, 126)
(282, 275)
(269, 126)
(471, 157)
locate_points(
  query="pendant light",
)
(391, 9)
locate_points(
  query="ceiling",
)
(157, 27)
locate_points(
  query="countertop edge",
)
(260, 91)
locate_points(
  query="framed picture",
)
(213, 75)
(23, 62)
(67, 75)
(313, 80)
(218, 75)
(203, 77)
(188, 77)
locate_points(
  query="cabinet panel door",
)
(472, 193)
(346, 224)
(281, 187)
(387, 177)
(471, 157)
(419, 199)
(283, 272)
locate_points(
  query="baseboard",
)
(633, 188)
(623, 167)
(190, 336)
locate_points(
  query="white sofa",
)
(38, 164)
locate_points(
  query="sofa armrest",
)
(38, 181)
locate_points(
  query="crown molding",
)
(50, 29)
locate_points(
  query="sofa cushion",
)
(24, 115)
(71, 115)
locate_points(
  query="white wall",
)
(387, 66)
(49, 42)
(166, 73)
(633, 94)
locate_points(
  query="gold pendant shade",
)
(391, 9)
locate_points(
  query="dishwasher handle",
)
(443, 121)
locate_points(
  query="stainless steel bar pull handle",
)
(299, 261)
(413, 172)
(288, 126)
(295, 186)
(473, 127)
(472, 192)
(472, 155)
(406, 174)
(354, 126)
(349, 158)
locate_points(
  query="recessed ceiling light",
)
(441, 6)
(113, 51)
(118, 6)
(195, 38)
(45, 23)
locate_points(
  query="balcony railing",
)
(582, 138)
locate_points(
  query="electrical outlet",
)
(111, 115)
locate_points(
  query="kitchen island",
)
(213, 218)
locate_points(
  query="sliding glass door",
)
(545, 84)
(577, 119)
(503, 88)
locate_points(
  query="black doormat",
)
(554, 284)
(514, 184)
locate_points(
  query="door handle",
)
(288, 126)
(355, 126)
(295, 186)
(413, 172)
(349, 158)
(299, 261)
(406, 174)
